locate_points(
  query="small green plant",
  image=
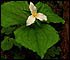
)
(3, 57)
(53, 53)
(38, 37)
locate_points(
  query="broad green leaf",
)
(52, 17)
(38, 39)
(7, 43)
(14, 13)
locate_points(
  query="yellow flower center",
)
(34, 13)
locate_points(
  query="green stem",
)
(38, 23)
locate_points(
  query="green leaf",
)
(53, 51)
(38, 39)
(3, 57)
(17, 44)
(57, 51)
(8, 30)
(14, 13)
(17, 56)
(7, 44)
(51, 16)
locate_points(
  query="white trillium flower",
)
(31, 19)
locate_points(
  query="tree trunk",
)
(65, 32)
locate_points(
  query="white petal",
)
(41, 17)
(30, 20)
(32, 7)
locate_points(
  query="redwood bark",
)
(65, 32)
